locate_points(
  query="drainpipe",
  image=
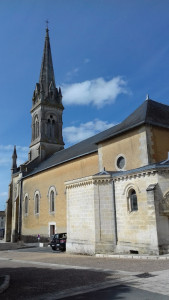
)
(115, 217)
(20, 213)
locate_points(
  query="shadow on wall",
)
(34, 239)
(162, 214)
(2, 233)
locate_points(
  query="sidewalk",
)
(19, 245)
(14, 246)
(134, 256)
(5, 279)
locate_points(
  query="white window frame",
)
(117, 157)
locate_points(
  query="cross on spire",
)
(47, 22)
(46, 73)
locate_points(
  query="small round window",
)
(120, 162)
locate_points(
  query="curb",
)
(119, 256)
(5, 284)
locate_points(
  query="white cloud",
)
(97, 91)
(75, 134)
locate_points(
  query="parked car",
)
(58, 241)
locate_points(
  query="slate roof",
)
(149, 112)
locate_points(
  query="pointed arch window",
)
(52, 201)
(37, 202)
(36, 128)
(51, 127)
(26, 205)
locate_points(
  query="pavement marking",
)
(135, 256)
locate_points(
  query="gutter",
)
(115, 217)
(20, 212)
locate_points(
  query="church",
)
(109, 193)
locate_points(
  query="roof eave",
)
(60, 163)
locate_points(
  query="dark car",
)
(58, 241)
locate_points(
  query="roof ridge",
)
(148, 101)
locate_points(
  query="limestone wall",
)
(80, 217)
(136, 230)
(90, 215)
(162, 210)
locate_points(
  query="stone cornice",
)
(145, 173)
(90, 180)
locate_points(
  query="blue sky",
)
(107, 55)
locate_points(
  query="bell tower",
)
(47, 110)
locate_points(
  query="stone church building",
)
(110, 192)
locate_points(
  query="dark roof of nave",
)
(149, 112)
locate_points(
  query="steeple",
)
(14, 161)
(46, 89)
(46, 110)
(47, 78)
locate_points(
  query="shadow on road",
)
(28, 282)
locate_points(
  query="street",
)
(40, 273)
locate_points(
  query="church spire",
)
(47, 78)
(45, 90)
(47, 110)
(14, 161)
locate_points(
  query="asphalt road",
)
(49, 256)
(37, 273)
(119, 292)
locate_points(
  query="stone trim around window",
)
(120, 162)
